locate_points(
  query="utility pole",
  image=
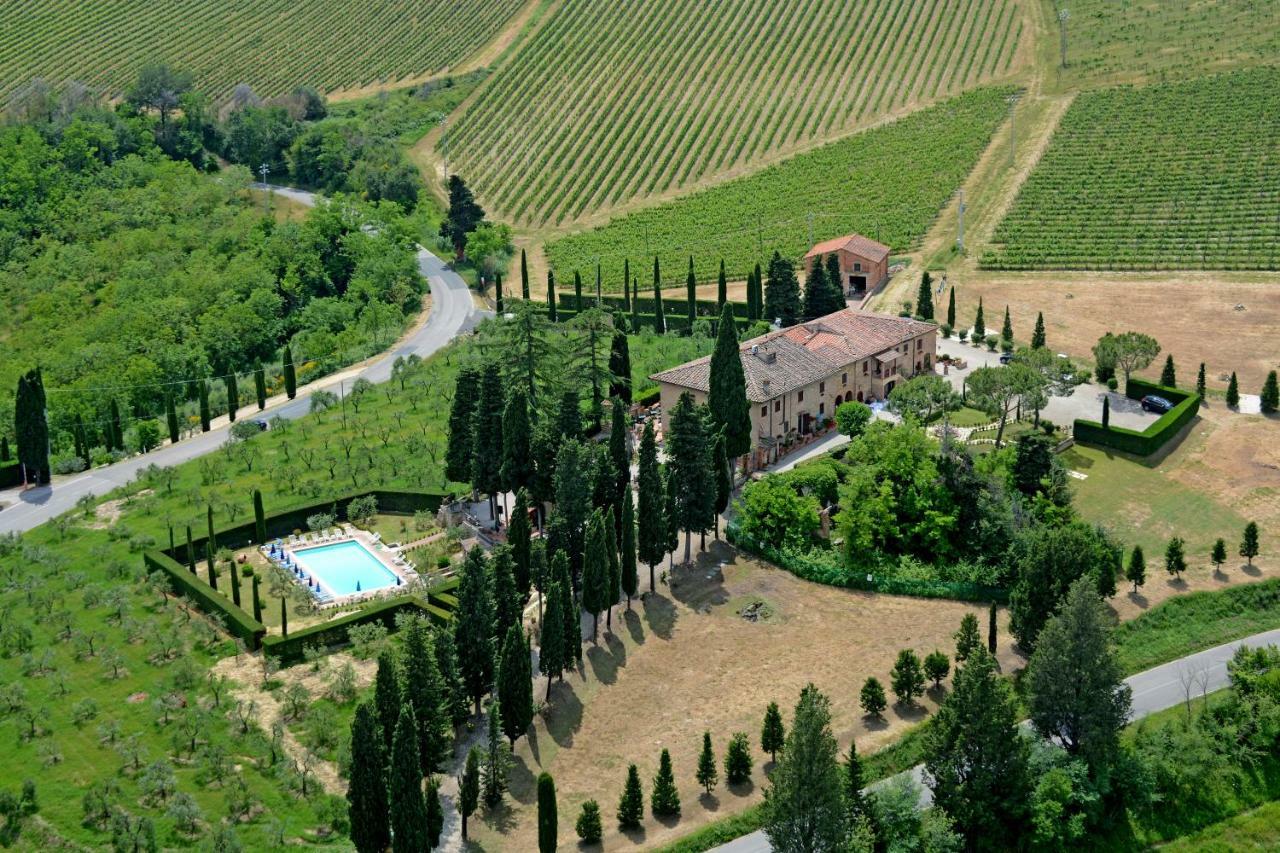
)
(1013, 126)
(444, 147)
(1063, 15)
(960, 223)
(811, 229)
(265, 170)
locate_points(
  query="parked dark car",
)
(1006, 357)
(261, 425)
(1159, 405)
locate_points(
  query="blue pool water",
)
(344, 564)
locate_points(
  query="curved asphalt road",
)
(1154, 690)
(452, 312)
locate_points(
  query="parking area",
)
(1084, 402)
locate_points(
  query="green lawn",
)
(1256, 829)
(651, 353)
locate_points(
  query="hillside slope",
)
(609, 102)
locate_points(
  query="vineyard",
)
(617, 101)
(1173, 176)
(272, 45)
(888, 183)
(1116, 42)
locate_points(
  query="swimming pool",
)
(345, 568)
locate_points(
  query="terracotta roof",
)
(863, 247)
(790, 358)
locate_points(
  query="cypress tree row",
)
(524, 276)
(551, 296)
(233, 396)
(457, 455)
(515, 685)
(290, 375)
(651, 537)
(691, 290)
(260, 385)
(630, 577)
(722, 288)
(473, 626)
(367, 792)
(406, 806)
(659, 320)
(203, 390)
(170, 417)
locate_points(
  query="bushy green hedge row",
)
(645, 305)
(1150, 440)
(810, 569)
(10, 474)
(239, 623)
(334, 632)
(283, 522)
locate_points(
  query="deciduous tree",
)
(907, 678)
(1175, 559)
(967, 639)
(804, 806)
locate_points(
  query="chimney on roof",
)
(770, 357)
(755, 349)
(764, 386)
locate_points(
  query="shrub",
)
(588, 826)
(946, 330)
(1112, 383)
(737, 760)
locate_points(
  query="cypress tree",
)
(782, 292)
(84, 442)
(458, 451)
(259, 518)
(31, 428)
(772, 733)
(570, 609)
(635, 300)
(1006, 329)
(722, 287)
(547, 818)
(815, 291)
(1037, 336)
(497, 297)
(406, 806)
(759, 300)
(260, 385)
(853, 785)
(367, 805)
(473, 626)
(665, 800)
(469, 788)
(723, 480)
(652, 534)
(659, 319)
(727, 398)
(486, 438)
(630, 577)
(737, 760)
(1233, 391)
(551, 662)
(835, 284)
(117, 431)
(691, 289)
(213, 542)
(257, 601)
(595, 572)
(613, 593)
(951, 308)
(626, 284)
(551, 296)
(456, 707)
(388, 697)
(1136, 572)
(707, 775)
(205, 416)
(191, 554)
(284, 617)
(435, 813)
(235, 584)
(170, 417)
(4, 444)
(1270, 396)
(620, 360)
(212, 571)
(689, 466)
(577, 292)
(620, 461)
(751, 295)
(1200, 381)
(631, 805)
(979, 324)
(991, 629)
(233, 396)
(1169, 376)
(290, 375)
(493, 776)
(516, 471)
(524, 276)
(671, 511)
(1249, 542)
(1217, 556)
(519, 537)
(424, 689)
(1106, 412)
(515, 685)
(924, 298)
(599, 295)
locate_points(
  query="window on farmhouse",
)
(764, 410)
(844, 378)
(822, 387)
(800, 396)
(777, 405)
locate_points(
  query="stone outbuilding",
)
(864, 263)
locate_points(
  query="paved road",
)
(452, 312)
(1155, 690)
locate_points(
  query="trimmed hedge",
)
(645, 305)
(10, 474)
(239, 623)
(334, 632)
(1155, 436)
(812, 570)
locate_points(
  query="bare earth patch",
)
(107, 513)
(685, 661)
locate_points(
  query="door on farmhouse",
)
(857, 283)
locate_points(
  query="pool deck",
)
(294, 547)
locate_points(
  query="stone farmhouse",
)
(796, 377)
(864, 263)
